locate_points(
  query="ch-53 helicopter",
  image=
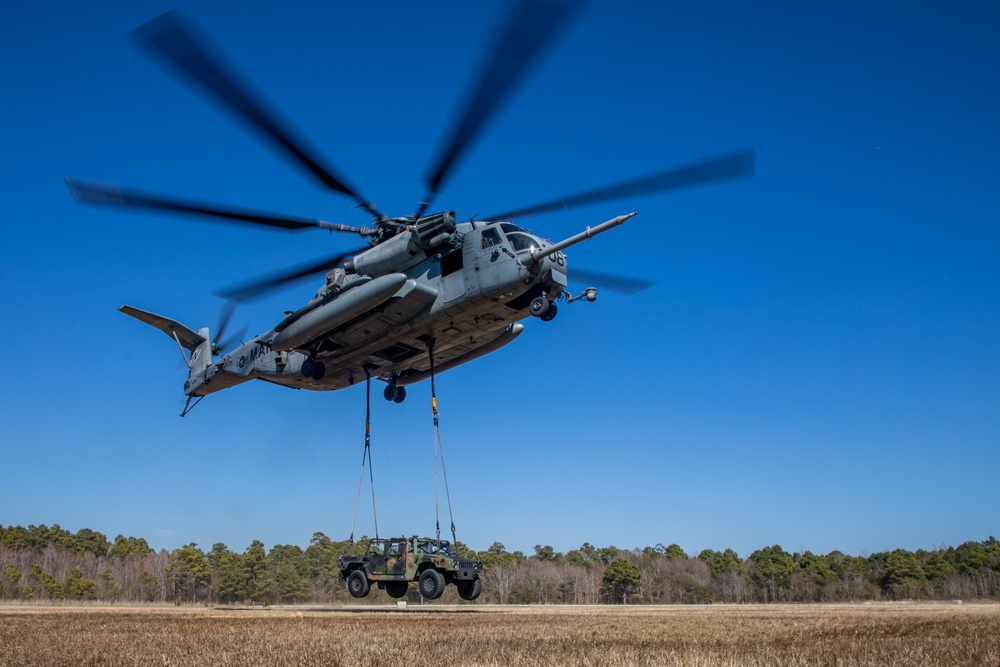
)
(428, 292)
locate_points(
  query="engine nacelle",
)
(407, 248)
(392, 256)
(337, 311)
(431, 227)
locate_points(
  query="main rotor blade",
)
(168, 38)
(531, 26)
(111, 194)
(736, 165)
(258, 288)
(621, 284)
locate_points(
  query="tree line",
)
(51, 563)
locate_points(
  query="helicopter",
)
(428, 291)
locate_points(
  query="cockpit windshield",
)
(519, 239)
(522, 242)
(434, 547)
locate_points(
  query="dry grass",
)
(855, 635)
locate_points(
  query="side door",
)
(453, 274)
(395, 559)
(377, 559)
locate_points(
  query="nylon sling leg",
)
(439, 451)
(366, 456)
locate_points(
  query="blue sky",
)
(817, 366)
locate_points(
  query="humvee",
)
(394, 562)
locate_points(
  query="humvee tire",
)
(431, 584)
(469, 590)
(357, 584)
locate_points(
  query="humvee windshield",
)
(434, 547)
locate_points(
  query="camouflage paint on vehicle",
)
(401, 559)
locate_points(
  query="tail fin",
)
(200, 344)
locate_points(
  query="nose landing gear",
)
(543, 309)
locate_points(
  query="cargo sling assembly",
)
(366, 458)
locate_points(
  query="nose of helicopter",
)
(555, 270)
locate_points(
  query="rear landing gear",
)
(394, 393)
(313, 369)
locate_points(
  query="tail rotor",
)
(220, 344)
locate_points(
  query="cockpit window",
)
(491, 237)
(520, 242)
(508, 227)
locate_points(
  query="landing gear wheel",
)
(538, 306)
(308, 366)
(549, 314)
(470, 590)
(396, 589)
(431, 584)
(357, 584)
(400, 395)
(390, 391)
(319, 370)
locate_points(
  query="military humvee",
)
(392, 563)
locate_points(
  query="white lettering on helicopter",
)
(256, 352)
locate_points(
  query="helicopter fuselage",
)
(464, 293)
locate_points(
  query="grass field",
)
(874, 634)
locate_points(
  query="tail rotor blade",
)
(225, 315)
(223, 346)
(219, 344)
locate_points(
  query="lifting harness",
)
(367, 456)
(439, 451)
